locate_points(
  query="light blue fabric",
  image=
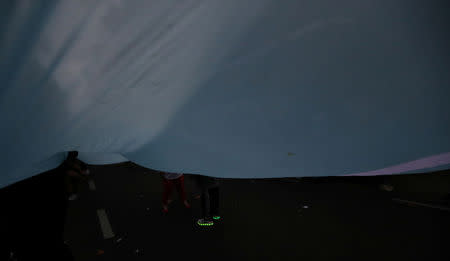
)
(236, 88)
(101, 158)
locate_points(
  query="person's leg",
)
(205, 204)
(71, 183)
(75, 184)
(68, 183)
(167, 189)
(179, 183)
(166, 192)
(214, 201)
(206, 219)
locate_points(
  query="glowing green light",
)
(216, 217)
(205, 224)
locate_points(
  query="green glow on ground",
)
(205, 224)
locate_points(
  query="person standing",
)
(76, 171)
(209, 188)
(169, 180)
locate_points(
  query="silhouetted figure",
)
(169, 180)
(76, 171)
(209, 188)
(33, 216)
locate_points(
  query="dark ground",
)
(266, 219)
(346, 218)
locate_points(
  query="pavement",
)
(264, 219)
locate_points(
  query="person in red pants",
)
(169, 180)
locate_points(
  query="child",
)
(209, 187)
(169, 179)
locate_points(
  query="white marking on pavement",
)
(91, 185)
(420, 204)
(104, 224)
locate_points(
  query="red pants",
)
(168, 185)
